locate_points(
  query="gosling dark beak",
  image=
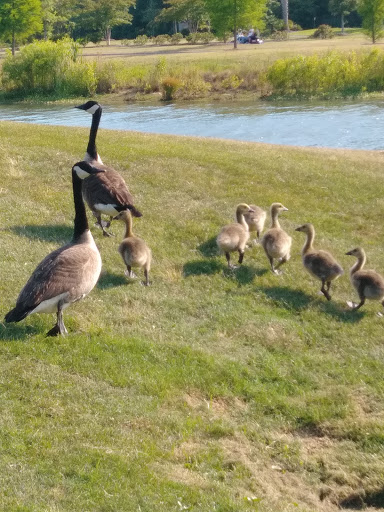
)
(349, 253)
(298, 229)
(251, 210)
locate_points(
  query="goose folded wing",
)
(68, 270)
(110, 188)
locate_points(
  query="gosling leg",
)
(241, 256)
(325, 290)
(146, 276)
(228, 256)
(281, 262)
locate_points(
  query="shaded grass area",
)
(211, 389)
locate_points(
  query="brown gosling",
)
(320, 264)
(234, 237)
(256, 220)
(276, 242)
(368, 283)
(134, 250)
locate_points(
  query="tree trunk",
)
(108, 36)
(284, 7)
(235, 25)
(342, 23)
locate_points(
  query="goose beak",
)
(285, 209)
(298, 229)
(251, 210)
(349, 253)
(79, 106)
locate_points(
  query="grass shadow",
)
(16, 332)
(288, 298)
(197, 268)
(297, 300)
(109, 280)
(51, 233)
(374, 499)
(244, 274)
(209, 248)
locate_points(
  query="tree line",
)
(95, 20)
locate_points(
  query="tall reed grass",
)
(330, 75)
(48, 68)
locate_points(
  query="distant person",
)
(251, 35)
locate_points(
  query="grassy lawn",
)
(210, 390)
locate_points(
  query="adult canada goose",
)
(234, 237)
(255, 220)
(134, 251)
(368, 283)
(105, 193)
(67, 274)
(321, 264)
(276, 242)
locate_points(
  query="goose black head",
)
(90, 106)
(84, 169)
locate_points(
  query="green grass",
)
(209, 390)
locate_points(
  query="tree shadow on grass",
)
(297, 300)
(17, 332)
(110, 280)
(60, 233)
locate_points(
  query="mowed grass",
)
(209, 390)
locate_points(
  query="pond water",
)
(339, 124)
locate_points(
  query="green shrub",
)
(323, 32)
(169, 87)
(193, 38)
(126, 42)
(162, 39)
(176, 38)
(206, 37)
(232, 82)
(46, 67)
(140, 40)
(279, 35)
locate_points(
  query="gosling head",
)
(358, 252)
(90, 106)
(305, 228)
(244, 208)
(278, 207)
(83, 169)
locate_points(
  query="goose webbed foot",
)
(129, 273)
(59, 327)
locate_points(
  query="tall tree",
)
(19, 19)
(230, 15)
(342, 8)
(97, 17)
(372, 12)
(193, 12)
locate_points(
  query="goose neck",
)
(308, 245)
(81, 222)
(359, 263)
(128, 226)
(241, 220)
(275, 219)
(91, 149)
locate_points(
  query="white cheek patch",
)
(107, 209)
(93, 109)
(80, 172)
